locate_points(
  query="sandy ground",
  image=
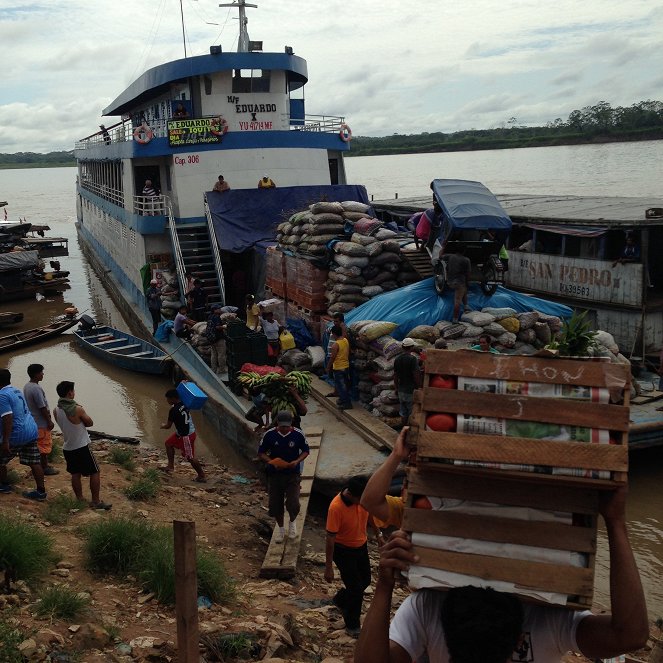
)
(286, 620)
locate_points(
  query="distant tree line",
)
(35, 160)
(591, 124)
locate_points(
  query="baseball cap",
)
(284, 417)
(408, 343)
(216, 307)
(153, 282)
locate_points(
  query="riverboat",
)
(144, 189)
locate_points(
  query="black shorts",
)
(81, 461)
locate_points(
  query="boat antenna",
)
(183, 35)
(243, 43)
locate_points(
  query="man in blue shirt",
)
(18, 434)
(283, 449)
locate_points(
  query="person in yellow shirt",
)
(266, 182)
(339, 367)
(252, 313)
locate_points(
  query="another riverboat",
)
(8, 318)
(22, 277)
(37, 335)
(123, 350)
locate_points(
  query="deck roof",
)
(587, 210)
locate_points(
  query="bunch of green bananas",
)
(301, 381)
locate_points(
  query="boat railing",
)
(330, 124)
(216, 253)
(150, 205)
(110, 194)
(177, 251)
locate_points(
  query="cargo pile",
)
(171, 299)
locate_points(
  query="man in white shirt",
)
(484, 625)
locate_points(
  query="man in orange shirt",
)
(347, 547)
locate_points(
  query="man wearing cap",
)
(215, 333)
(283, 449)
(407, 377)
(153, 296)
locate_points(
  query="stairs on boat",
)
(420, 261)
(198, 258)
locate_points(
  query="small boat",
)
(37, 335)
(123, 350)
(8, 318)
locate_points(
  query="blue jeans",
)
(341, 384)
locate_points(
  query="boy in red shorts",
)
(184, 436)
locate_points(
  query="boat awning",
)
(247, 218)
(576, 231)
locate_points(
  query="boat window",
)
(251, 80)
(551, 243)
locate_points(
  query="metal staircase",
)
(198, 259)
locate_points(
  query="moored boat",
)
(8, 318)
(37, 335)
(123, 349)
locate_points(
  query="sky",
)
(387, 67)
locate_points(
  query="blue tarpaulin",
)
(247, 218)
(419, 304)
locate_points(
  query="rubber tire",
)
(490, 281)
(440, 277)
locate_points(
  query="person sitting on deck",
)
(485, 344)
(221, 185)
(266, 183)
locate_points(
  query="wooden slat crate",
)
(433, 473)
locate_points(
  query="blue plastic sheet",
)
(247, 218)
(163, 330)
(301, 333)
(419, 304)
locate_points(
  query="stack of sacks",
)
(366, 266)
(512, 332)
(170, 295)
(309, 231)
(295, 360)
(373, 358)
(199, 338)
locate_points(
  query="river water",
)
(130, 404)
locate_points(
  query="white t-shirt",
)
(549, 631)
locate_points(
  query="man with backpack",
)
(215, 333)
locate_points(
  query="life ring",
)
(345, 133)
(218, 126)
(143, 134)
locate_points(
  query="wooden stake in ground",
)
(186, 591)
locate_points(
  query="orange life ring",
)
(143, 134)
(218, 126)
(345, 133)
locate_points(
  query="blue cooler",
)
(191, 395)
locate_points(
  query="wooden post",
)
(186, 591)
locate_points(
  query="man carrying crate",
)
(469, 624)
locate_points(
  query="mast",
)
(243, 42)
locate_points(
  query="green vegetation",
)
(25, 552)
(122, 456)
(34, 160)
(592, 124)
(576, 337)
(60, 602)
(145, 487)
(229, 646)
(120, 545)
(10, 638)
(13, 477)
(59, 508)
(56, 454)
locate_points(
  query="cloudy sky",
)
(388, 67)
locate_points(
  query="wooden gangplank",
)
(281, 558)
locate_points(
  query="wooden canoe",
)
(124, 350)
(37, 335)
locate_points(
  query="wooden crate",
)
(433, 473)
